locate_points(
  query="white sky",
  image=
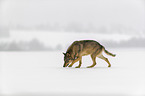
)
(129, 13)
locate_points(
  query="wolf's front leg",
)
(80, 63)
(76, 60)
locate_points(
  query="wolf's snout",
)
(64, 65)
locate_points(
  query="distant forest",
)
(132, 43)
(36, 45)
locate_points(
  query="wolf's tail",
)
(108, 53)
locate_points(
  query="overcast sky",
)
(129, 13)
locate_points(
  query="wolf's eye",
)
(68, 54)
(67, 59)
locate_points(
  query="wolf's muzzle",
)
(65, 65)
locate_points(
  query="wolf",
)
(85, 47)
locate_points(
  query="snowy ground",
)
(42, 74)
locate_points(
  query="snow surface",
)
(42, 74)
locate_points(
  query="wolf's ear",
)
(64, 53)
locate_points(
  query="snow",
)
(42, 74)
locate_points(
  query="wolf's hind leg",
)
(106, 59)
(76, 60)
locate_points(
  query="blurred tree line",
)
(33, 45)
(36, 45)
(132, 43)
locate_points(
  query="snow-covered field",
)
(42, 74)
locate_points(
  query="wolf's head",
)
(67, 59)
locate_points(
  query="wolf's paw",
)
(90, 66)
(70, 66)
(109, 65)
(77, 66)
